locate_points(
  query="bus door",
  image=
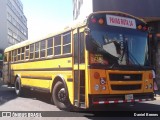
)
(6, 68)
(79, 68)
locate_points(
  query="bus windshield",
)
(129, 48)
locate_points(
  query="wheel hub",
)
(62, 95)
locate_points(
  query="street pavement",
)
(41, 102)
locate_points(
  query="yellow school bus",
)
(101, 60)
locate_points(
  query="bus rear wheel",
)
(60, 97)
(17, 87)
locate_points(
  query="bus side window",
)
(37, 50)
(50, 47)
(22, 53)
(57, 45)
(43, 48)
(67, 43)
(27, 53)
(19, 54)
(15, 55)
(32, 51)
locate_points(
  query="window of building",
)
(67, 43)
(10, 32)
(43, 48)
(10, 39)
(14, 35)
(14, 22)
(37, 50)
(9, 17)
(50, 47)
(57, 45)
(31, 51)
(9, 4)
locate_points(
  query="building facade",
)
(13, 23)
(148, 10)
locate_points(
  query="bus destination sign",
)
(120, 21)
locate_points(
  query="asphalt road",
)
(34, 102)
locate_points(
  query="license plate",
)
(129, 97)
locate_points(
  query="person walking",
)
(155, 87)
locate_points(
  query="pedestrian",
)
(155, 87)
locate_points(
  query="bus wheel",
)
(59, 96)
(17, 87)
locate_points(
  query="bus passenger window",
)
(43, 48)
(50, 46)
(67, 43)
(22, 54)
(19, 54)
(27, 52)
(32, 51)
(15, 55)
(57, 45)
(37, 50)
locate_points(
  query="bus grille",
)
(125, 77)
(126, 87)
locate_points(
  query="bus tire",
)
(17, 86)
(59, 96)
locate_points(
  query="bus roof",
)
(78, 23)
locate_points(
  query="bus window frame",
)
(22, 53)
(19, 54)
(43, 49)
(32, 52)
(48, 48)
(37, 50)
(27, 50)
(66, 44)
(59, 45)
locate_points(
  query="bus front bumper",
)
(119, 98)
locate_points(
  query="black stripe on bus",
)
(35, 77)
(46, 69)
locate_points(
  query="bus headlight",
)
(96, 87)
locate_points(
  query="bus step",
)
(82, 105)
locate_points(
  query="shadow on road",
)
(44, 97)
(6, 93)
